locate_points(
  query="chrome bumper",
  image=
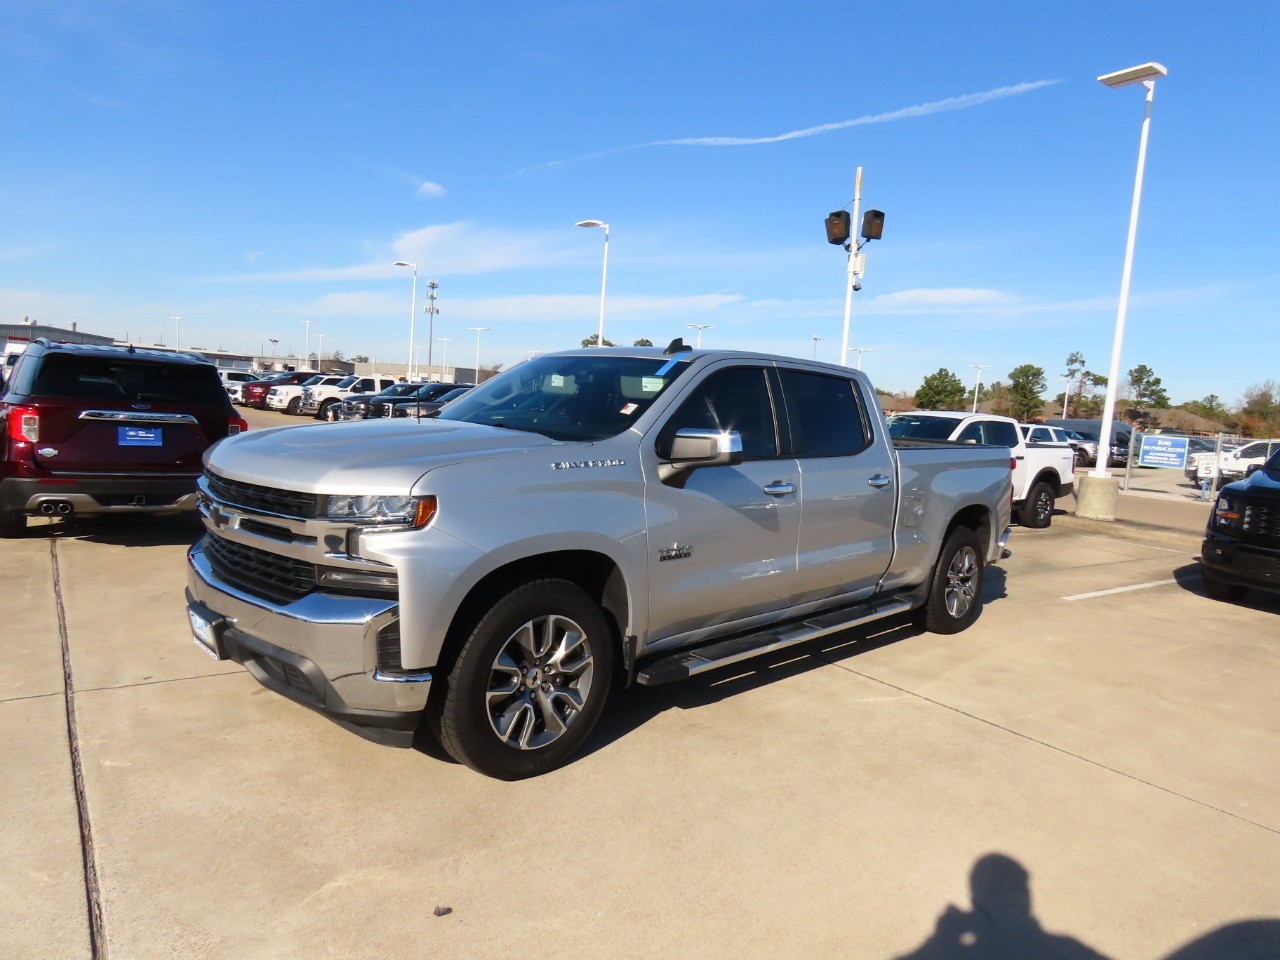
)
(1003, 544)
(321, 651)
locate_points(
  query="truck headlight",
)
(1226, 514)
(378, 511)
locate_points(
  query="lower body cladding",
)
(322, 651)
(62, 496)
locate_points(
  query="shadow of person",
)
(1001, 925)
(1245, 940)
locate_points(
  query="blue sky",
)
(248, 166)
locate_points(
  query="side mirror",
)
(694, 447)
(1252, 469)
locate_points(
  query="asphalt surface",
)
(1094, 759)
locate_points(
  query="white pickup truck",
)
(1042, 472)
(319, 399)
(288, 397)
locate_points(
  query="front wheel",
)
(1082, 458)
(1223, 591)
(955, 589)
(530, 683)
(328, 411)
(294, 406)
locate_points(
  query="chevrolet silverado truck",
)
(1042, 472)
(585, 519)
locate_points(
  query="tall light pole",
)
(444, 360)
(816, 338)
(860, 351)
(604, 277)
(273, 343)
(1066, 388)
(413, 312)
(431, 310)
(700, 327)
(851, 280)
(478, 330)
(177, 333)
(1145, 74)
(977, 383)
(306, 350)
(320, 352)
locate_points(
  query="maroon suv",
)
(94, 430)
(255, 394)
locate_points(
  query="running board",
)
(689, 663)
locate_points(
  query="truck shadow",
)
(1001, 923)
(629, 709)
(1191, 579)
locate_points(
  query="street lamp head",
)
(1123, 78)
(591, 223)
(405, 263)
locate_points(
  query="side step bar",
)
(689, 663)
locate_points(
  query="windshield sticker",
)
(629, 409)
(557, 380)
(651, 384)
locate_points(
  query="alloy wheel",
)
(539, 682)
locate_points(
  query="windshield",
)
(920, 426)
(580, 397)
(312, 381)
(346, 381)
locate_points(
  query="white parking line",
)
(1136, 586)
(1149, 546)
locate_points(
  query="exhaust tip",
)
(64, 508)
(46, 508)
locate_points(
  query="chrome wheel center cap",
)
(533, 677)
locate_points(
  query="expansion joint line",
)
(92, 892)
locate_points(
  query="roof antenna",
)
(676, 346)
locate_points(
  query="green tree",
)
(338, 355)
(996, 394)
(1026, 384)
(591, 340)
(1210, 407)
(1075, 371)
(643, 342)
(359, 358)
(941, 391)
(1146, 387)
(1259, 413)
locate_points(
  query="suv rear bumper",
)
(319, 651)
(98, 495)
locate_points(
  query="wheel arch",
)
(596, 573)
(978, 519)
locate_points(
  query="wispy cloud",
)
(963, 102)
(429, 189)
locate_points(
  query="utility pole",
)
(816, 338)
(306, 350)
(431, 310)
(851, 281)
(978, 383)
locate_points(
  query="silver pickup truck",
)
(586, 518)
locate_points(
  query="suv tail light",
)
(24, 424)
(236, 425)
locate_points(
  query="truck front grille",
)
(261, 574)
(286, 503)
(1261, 522)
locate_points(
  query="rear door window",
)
(824, 414)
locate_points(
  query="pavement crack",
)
(92, 890)
(1050, 746)
(151, 683)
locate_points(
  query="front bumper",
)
(92, 496)
(309, 405)
(320, 651)
(1245, 564)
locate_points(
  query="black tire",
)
(1082, 458)
(326, 411)
(1223, 591)
(1037, 512)
(294, 406)
(13, 523)
(955, 588)
(476, 704)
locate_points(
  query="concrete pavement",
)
(1118, 747)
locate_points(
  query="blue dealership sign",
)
(1160, 451)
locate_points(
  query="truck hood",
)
(383, 457)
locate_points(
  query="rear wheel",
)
(955, 590)
(1037, 512)
(13, 523)
(530, 683)
(1082, 458)
(294, 406)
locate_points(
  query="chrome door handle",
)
(879, 480)
(779, 488)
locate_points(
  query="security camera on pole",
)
(838, 231)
